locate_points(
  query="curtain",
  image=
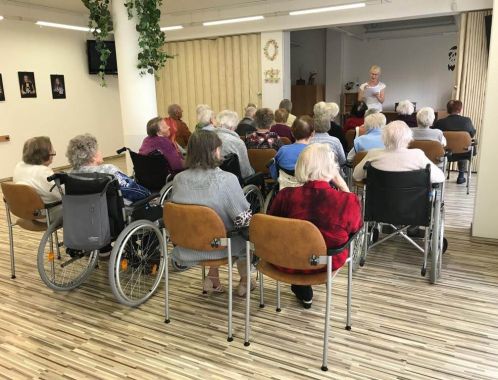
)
(472, 65)
(224, 73)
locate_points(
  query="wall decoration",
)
(2, 93)
(452, 57)
(27, 84)
(58, 86)
(271, 50)
(272, 76)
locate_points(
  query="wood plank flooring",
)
(403, 327)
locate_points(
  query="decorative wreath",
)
(271, 44)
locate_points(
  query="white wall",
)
(413, 68)
(308, 54)
(273, 93)
(87, 108)
(334, 66)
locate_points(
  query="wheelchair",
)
(94, 215)
(399, 200)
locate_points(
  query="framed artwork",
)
(58, 86)
(2, 93)
(27, 84)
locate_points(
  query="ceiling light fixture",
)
(64, 26)
(328, 9)
(1, 17)
(174, 27)
(233, 20)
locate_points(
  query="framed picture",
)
(2, 93)
(27, 84)
(58, 86)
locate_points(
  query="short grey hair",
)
(425, 117)
(371, 111)
(316, 161)
(228, 119)
(81, 150)
(200, 108)
(250, 111)
(323, 114)
(375, 120)
(205, 116)
(405, 107)
(397, 134)
(286, 104)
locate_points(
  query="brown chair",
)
(295, 244)
(350, 135)
(23, 202)
(433, 150)
(462, 147)
(259, 159)
(198, 228)
(285, 140)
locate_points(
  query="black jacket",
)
(455, 123)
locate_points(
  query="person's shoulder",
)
(382, 85)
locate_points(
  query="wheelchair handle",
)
(121, 150)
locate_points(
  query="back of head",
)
(425, 117)
(405, 107)
(205, 116)
(228, 119)
(37, 150)
(201, 150)
(173, 110)
(251, 105)
(375, 121)
(81, 150)
(200, 108)
(286, 104)
(264, 118)
(324, 113)
(396, 135)
(316, 162)
(371, 111)
(153, 126)
(250, 111)
(454, 106)
(281, 115)
(358, 109)
(303, 127)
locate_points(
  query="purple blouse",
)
(282, 130)
(166, 147)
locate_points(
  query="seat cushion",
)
(32, 225)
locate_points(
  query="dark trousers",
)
(303, 292)
(462, 167)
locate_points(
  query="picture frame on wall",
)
(58, 86)
(2, 93)
(27, 84)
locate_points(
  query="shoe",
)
(461, 180)
(415, 231)
(242, 287)
(208, 286)
(306, 302)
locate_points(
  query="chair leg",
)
(230, 290)
(350, 289)
(261, 291)
(166, 278)
(469, 172)
(328, 305)
(248, 294)
(11, 243)
(426, 250)
(203, 277)
(278, 297)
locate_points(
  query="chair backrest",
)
(151, 171)
(193, 226)
(350, 135)
(231, 164)
(358, 157)
(285, 140)
(23, 201)
(286, 242)
(433, 150)
(458, 142)
(400, 198)
(259, 158)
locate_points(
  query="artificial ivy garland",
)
(266, 50)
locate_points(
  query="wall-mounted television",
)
(94, 58)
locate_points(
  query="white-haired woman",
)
(206, 119)
(405, 110)
(425, 119)
(323, 114)
(373, 91)
(396, 157)
(372, 139)
(198, 113)
(336, 213)
(231, 142)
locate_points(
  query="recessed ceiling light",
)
(233, 20)
(174, 27)
(328, 9)
(63, 26)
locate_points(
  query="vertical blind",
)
(472, 68)
(224, 73)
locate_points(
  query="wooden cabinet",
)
(304, 97)
(347, 101)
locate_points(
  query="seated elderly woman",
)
(207, 119)
(205, 184)
(263, 138)
(396, 157)
(425, 119)
(405, 111)
(280, 127)
(336, 213)
(323, 114)
(335, 129)
(198, 112)
(33, 170)
(357, 116)
(372, 139)
(157, 140)
(84, 155)
(231, 141)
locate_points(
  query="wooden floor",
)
(403, 327)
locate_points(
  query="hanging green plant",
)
(100, 24)
(151, 57)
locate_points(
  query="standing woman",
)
(372, 92)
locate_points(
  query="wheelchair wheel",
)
(268, 200)
(62, 268)
(137, 263)
(254, 197)
(357, 247)
(165, 192)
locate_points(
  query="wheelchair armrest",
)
(336, 250)
(437, 185)
(121, 150)
(270, 163)
(144, 201)
(254, 179)
(243, 231)
(52, 204)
